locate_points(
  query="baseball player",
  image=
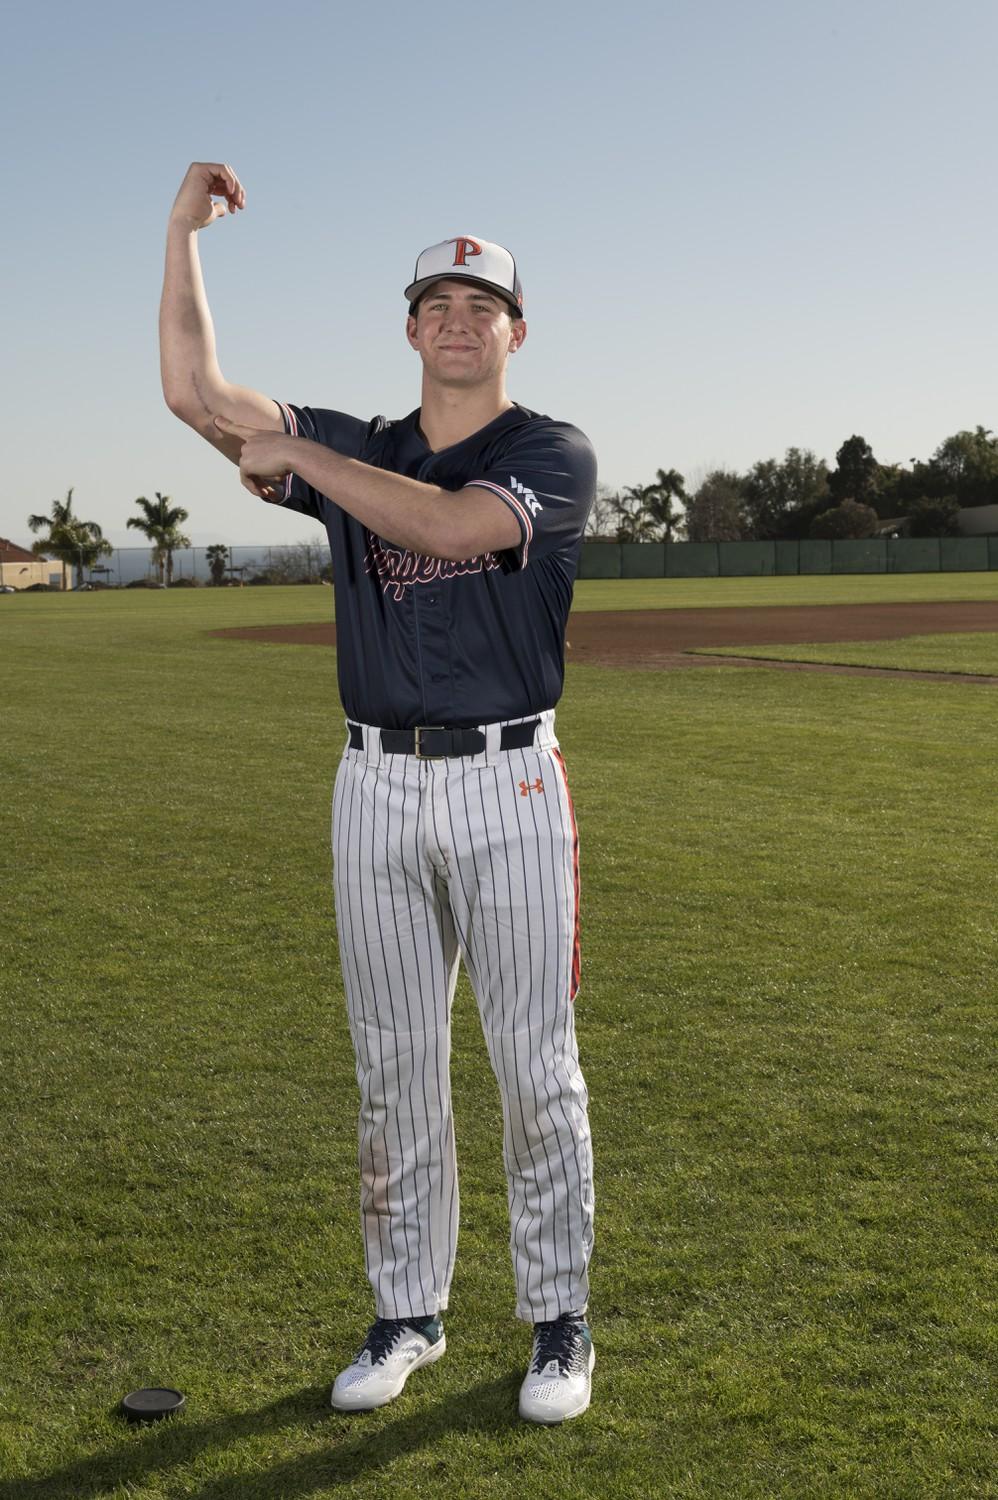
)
(455, 535)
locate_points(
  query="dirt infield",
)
(662, 638)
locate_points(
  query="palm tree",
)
(658, 498)
(631, 508)
(218, 561)
(159, 522)
(73, 541)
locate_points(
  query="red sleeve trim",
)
(291, 428)
(516, 506)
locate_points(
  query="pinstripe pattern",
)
(436, 861)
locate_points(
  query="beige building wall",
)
(21, 575)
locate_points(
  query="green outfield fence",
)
(308, 561)
(951, 554)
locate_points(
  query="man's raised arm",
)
(193, 384)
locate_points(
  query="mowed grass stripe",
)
(974, 654)
(788, 959)
(739, 593)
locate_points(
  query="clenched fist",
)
(196, 205)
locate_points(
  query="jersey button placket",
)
(434, 653)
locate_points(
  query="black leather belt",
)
(435, 742)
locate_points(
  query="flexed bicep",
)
(195, 389)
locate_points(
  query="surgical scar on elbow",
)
(200, 395)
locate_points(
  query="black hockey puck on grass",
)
(152, 1403)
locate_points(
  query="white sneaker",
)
(558, 1383)
(390, 1353)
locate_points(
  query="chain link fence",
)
(137, 567)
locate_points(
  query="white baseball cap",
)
(472, 259)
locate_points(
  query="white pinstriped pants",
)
(476, 858)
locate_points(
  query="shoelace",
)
(558, 1340)
(382, 1338)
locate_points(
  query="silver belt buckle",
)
(418, 742)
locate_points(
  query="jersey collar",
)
(513, 416)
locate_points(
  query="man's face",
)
(463, 333)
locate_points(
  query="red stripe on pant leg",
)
(577, 941)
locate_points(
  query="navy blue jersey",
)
(421, 640)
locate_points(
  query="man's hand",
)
(265, 459)
(196, 203)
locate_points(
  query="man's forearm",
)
(420, 517)
(403, 511)
(188, 362)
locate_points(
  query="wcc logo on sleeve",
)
(528, 497)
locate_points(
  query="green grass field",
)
(740, 593)
(975, 654)
(786, 1022)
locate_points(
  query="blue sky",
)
(739, 227)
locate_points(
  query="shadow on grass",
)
(355, 1447)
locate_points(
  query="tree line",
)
(776, 500)
(800, 497)
(81, 544)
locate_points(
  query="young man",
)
(455, 535)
